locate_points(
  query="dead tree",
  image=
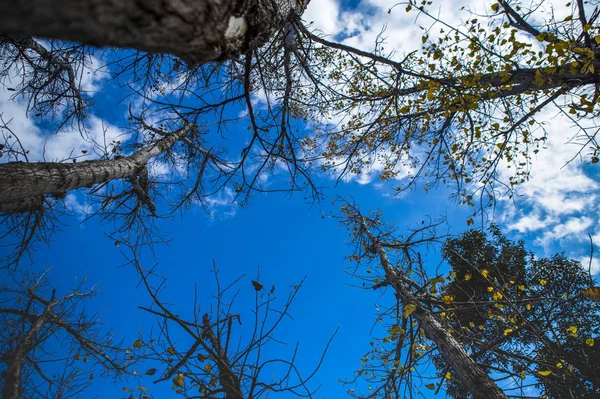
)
(205, 353)
(34, 319)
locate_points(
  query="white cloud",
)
(324, 14)
(77, 206)
(222, 203)
(594, 267)
(559, 203)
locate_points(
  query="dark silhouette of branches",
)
(35, 318)
(214, 352)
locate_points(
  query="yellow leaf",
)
(521, 288)
(137, 344)
(597, 39)
(208, 368)
(572, 330)
(179, 380)
(408, 310)
(141, 388)
(496, 296)
(151, 372)
(589, 341)
(522, 374)
(545, 373)
(568, 18)
(543, 281)
(171, 351)
(430, 386)
(485, 273)
(448, 375)
(528, 306)
(495, 7)
(128, 390)
(468, 276)
(447, 299)
(592, 293)
(507, 331)
(490, 289)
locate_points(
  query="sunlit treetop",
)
(476, 98)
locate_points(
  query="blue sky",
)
(289, 237)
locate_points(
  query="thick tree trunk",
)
(197, 31)
(21, 183)
(467, 371)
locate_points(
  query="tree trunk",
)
(21, 182)
(468, 372)
(13, 374)
(197, 31)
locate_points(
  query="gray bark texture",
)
(198, 31)
(466, 370)
(21, 183)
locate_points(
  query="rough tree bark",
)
(21, 183)
(467, 371)
(198, 31)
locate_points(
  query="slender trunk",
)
(21, 183)
(468, 372)
(227, 378)
(14, 371)
(197, 31)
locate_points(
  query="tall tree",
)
(523, 316)
(470, 102)
(208, 351)
(501, 317)
(372, 241)
(49, 345)
(195, 31)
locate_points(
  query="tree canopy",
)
(238, 98)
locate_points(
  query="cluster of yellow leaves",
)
(592, 293)
(408, 310)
